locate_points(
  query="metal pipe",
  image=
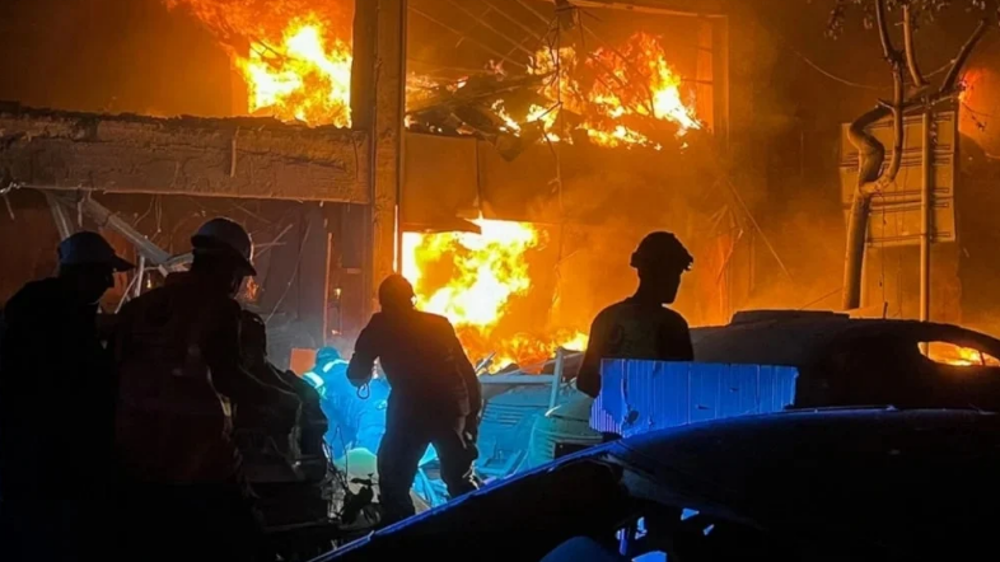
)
(557, 377)
(105, 217)
(926, 218)
(63, 223)
(139, 274)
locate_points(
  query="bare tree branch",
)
(950, 81)
(897, 126)
(883, 31)
(911, 50)
(870, 150)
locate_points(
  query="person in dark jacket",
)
(436, 397)
(57, 409)
(641, 326)
(310, 420)
(179, 357)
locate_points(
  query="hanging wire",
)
(822, 298)
(295, 272)
(465, 36)
(482, 21)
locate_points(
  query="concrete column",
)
(379, 101)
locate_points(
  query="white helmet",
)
(226, 235)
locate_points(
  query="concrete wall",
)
(239, 157)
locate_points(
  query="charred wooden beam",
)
(241, 157)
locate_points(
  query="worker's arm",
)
(588, 381)
(221, 350)
(468, 373)
(362, 364)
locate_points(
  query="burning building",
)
(541, 151)
(504, 156)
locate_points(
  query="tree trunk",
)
(854, 262)
(871, 155)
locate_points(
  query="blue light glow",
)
(688, 513)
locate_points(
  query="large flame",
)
(634, 81)
(306, 77)
(298, 67)
(295, 55)
(483, 275)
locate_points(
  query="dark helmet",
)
(90, 248)
(661, 249)
(224, 235)
(395, 291)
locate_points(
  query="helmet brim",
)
(207, 244)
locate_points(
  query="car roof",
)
(799, 339)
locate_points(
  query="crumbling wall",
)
(238, 157)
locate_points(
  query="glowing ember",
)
(475, 279)
(306, 77)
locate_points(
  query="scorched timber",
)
(240, 157)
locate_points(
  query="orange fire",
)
(646, 87)
(950, 354)
(305, 77)
(292, 54)
(297, 65)
(296, 62)
(479, 276)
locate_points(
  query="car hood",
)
(878, 476)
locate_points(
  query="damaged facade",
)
(445, 130)
(353, 178)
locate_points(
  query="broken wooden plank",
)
(182, 156)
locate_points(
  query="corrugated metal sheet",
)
(641, 396)
(506, 428)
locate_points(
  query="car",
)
(875, 483)
(847, 361)
(842, 361)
